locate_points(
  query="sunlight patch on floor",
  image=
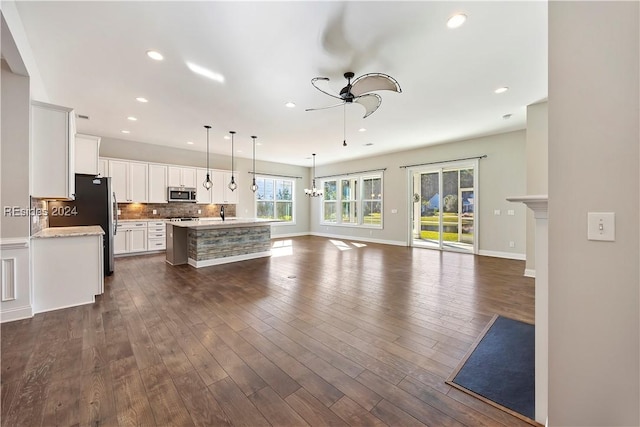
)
(282, 248)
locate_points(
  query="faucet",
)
(222, 212)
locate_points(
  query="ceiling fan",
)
(359, 90)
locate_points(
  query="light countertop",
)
(85, 230)
(204, 224)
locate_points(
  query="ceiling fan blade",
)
(323, 79)
(324, 108)
(370, 102)
(374, 81)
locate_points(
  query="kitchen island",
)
(211, 242)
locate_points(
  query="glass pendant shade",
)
(254, 187)
(207, 182)
(313, 191)
(232, 185)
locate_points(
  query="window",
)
(274, 199)
(354, 200)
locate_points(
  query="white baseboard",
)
(226, 260)
(17, 313)
(529, 272)
(498, 254)
(287, 235)
(360, 239)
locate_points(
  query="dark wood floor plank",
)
(132, 402)
(276, 410)
(312, 410)
(354, 414)
(202, 406)
(236, 404)
(368, 333)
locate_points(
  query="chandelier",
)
(313, 191)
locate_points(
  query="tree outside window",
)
(275, 199)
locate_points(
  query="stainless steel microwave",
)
(181, 194)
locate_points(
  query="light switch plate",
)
(601, 226)
(496, 211)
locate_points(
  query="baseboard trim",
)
(508, 255)
(217, 261)
(287, 235)
(530, 272)
(360, 239)
(17, 313)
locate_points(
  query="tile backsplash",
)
(171, 210)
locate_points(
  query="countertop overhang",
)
(84, 230)
(218, 223)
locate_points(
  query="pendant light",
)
(313, 191)
(207, 182)
(254, 187)
(232, 184)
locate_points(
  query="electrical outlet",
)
(119, 212)
(199, 211)
(155, 212)
(512, 244)
(394, 210)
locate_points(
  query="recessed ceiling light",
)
(290, 105)
(133, 119)
(155, 55)
(456, 20)
(190, 142)
(125, 131)
(141, 99)
(362, 130)
(205, 72)
(501, 89)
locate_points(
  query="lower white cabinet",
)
(156, 232)
(131, 237)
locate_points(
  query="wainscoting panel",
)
(14, 280)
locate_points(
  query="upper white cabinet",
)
(129, 180)
(182, 176)
(157, 183)
(202, 194)
(103, 167)
(86, 154)
(221, 192)
(52, 151)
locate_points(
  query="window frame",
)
(275, 200)
(358, 202)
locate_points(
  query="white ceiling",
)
(92, 57)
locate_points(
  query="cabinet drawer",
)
(156, 224)
(131, 225)
(157, 229)
(156, 235)
(156, 244)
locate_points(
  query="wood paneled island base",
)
(205, 243)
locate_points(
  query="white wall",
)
(131, 150)
(537, 153)
(502, 174)
(594, 165)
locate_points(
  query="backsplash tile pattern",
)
(172, 210)
(39, 211)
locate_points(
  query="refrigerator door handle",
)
(115, 211)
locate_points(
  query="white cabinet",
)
(129, 180)
(202, 194)
(86, 154)
(131, 237)
(221, 192)
(157, 183)
(182, 176)
(52, 151)
(103, 167)
(156, 236)
(67, 271)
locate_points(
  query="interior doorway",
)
(444, 206)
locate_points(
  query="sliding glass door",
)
(444, 199)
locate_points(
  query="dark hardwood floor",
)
(325, 332)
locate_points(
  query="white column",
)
(538, 204)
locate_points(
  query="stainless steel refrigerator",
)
(95, 204)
